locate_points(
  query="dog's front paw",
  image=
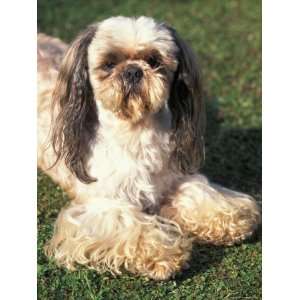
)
(165, 269)
(161, 254)
(161, 271)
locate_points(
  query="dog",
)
(121, 129)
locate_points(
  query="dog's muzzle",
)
(133, 74)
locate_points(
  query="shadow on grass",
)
(233, 159)
(203, 258)
(233, 155)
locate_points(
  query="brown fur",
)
(132, 104)
(122, 150)
(76, 124)
(187, 106)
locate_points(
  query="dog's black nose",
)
(133, 74)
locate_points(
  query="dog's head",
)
(134, 67)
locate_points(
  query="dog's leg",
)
(109, 236)
(212, 213)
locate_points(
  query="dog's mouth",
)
(131, 89)
(132, 93)
(134, 104)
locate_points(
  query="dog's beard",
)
(134, 102)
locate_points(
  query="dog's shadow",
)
(233, 155)
(233, 159)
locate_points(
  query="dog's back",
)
(50, 52)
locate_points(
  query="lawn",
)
(226, 35)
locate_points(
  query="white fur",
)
(139, 212)
(130, 165)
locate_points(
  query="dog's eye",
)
(108, 66)
(153, 62)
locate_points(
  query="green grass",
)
(226, 36)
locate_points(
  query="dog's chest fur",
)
(130, 164)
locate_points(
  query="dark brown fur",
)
(188, 112)
(77, 122)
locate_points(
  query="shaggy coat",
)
(120, 129)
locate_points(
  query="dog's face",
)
(131, 65)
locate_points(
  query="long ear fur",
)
(188, 112)
(76, 124)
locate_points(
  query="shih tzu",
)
(120, 129)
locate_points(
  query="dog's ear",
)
(188, 111)
(76, 122)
